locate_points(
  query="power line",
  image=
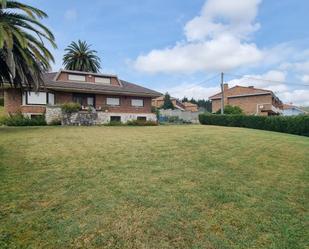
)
(268, 80)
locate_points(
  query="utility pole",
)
(222, 93)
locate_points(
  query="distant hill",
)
(305, 108)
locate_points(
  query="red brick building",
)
(118, 99)
(252, 101)
(183, 106)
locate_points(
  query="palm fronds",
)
(80, 57)
(23, 54)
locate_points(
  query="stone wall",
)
(93, 117)
(184, 115)
(53, 113)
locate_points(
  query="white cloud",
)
(70, 15)
(305, 78)
(298, 97)
(191, 91)
(272, 80)
(235, 18)
(216, 40)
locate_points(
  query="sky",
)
(182, 46)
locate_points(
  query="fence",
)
(187, 116)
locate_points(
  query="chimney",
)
(225, 86)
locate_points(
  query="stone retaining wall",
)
(54, 113)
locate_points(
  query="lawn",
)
(153, 187)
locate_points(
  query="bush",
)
(141, 123)
(298, 125)
(70, 107)
(228, 109)
(114, 123)
(55, 121)
(1, 101)
(20, 120)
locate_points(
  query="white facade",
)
(293, 111)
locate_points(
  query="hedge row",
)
(20, 120)
(298, 125)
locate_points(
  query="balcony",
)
(270, 109)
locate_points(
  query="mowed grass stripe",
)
(152, 187)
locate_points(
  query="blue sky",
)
(172, 45)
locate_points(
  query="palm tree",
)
(80, 57)
(23, 55)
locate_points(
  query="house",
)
(112, 98)
(253, 101)
(158, 103)
(292, 110)
(186, 106)
(190, 107)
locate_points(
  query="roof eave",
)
(153, 95)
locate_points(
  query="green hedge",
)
(20, 120)
(70, 107)
(298, 125)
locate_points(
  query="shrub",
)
(141, 123)
(114, 123)
(167, 104)
(1, 101)
(228, 109)
(155, 111)
(55, 121)
(20, 120)
(298, 125)
(70, 107)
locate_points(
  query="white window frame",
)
(41, 95)
(113, 101)
(51, 99)
(102, 80)
(137, 102)
(77, 77)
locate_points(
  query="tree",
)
(80, 57)
(168, 104)
(228, 109)
(23, 55)
(185, 99)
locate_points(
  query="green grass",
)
(153, 187)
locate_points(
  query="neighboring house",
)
(190, 107)
(158, 103)
(252, 101)
(186, 106)
(291, 110)
(114, 99)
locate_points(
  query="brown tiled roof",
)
(245, 91)
(187, 104)
(127, 88)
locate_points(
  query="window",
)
(113, 101)
(36, 98)
(90, 101)
(77, 77)
(137, 102)
(102, 80)
(51, 99)
(84, 99)
(141, 118)
(115, 119)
